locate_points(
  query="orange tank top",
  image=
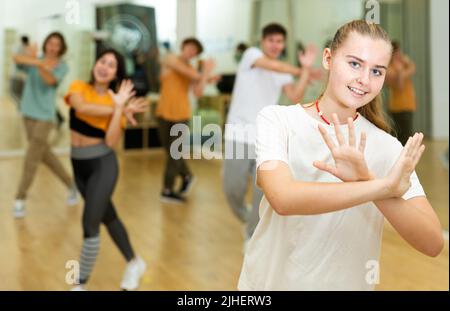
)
(173, 104)
(402, 99)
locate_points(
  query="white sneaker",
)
(19, 209)
(72, 198)
(78, 288)
(133, 272)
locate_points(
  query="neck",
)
(101, 88)
(328, 105)
(51, 57)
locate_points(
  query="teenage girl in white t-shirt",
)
(321, 223)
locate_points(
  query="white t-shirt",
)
(254, 89)
(332, 251)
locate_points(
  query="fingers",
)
(405, 150)
(126, 86)
(326, 138)
(337, 130)
(351, 133)
(324, 167)
(418, 155)
(130, 117)
(416, 146)
(413, 148)
(362, 142)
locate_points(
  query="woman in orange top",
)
(97, 117)
(402, 97)
(177, 76)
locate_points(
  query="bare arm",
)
(276, 65)
(296, 91)
(290, 197)
(47, 75)
(172, 62)
(77, 102)
(27, 60)
(120, 98)
(415, 221)
(199, 86)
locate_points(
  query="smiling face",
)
(189, 51)
(357, 69)
(105, 69)
(53, 47)
(273, 45)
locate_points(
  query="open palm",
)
(399, 175)
(349, 161)
(135, 105)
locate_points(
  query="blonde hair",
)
(372, 111)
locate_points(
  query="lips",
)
(357, 92)
(101, 73)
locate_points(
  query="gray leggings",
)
(237, 173)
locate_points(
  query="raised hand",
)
(208, 65)
(135, 105)
(308, 56)
(349, 162)
(32, 50)
(124, 93)
(398, 179)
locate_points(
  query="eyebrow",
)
(362, 61)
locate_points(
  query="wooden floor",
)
(192, 247)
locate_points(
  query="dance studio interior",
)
(137, 217)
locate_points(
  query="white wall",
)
(186, 20)
(439, 67)
(221, 25)
(32, 17)
(316, 21)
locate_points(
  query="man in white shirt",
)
(260, 79)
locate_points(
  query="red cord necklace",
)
(323, 118)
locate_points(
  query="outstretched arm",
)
(414, 219)
(172, 62)
(276, 65)
(290, 197)
(296, 91)
(199, 86)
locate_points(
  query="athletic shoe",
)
(172, 197)
(72, 198)
(19, 209)
(186, 186)
(78, 288)
(133, 272)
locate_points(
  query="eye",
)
(354, 64)
(377, 72)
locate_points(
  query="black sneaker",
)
(172, 197)
(186, 186)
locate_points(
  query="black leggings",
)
(96, 178)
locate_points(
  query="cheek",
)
(112, 73)
(339, 75)
(377, 85)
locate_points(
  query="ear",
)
(326, 58)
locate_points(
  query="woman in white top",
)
(321, 223)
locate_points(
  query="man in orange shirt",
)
(177, 76)
(402, 97)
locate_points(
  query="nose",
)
(364, 78)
